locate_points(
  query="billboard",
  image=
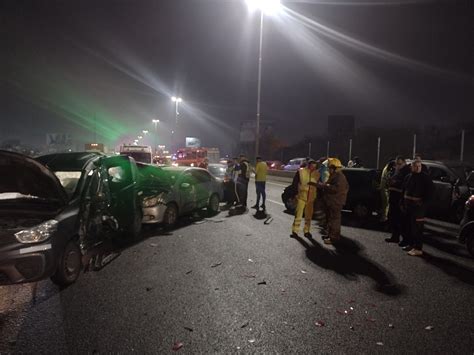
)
(193, 142)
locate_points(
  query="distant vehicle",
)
(178, 191)
(294, 164)
(195, 156)
(466, 234)
(53, 209)
(94, 147)
(141, 153)
(275, 164)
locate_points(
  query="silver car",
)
(171, 192)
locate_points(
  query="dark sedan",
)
(54, 208)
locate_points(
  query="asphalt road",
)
(235, 284)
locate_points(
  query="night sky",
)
(110, 67)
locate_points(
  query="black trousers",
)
(415, 215)
(242, 190)
(395, 217)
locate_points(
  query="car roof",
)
(447, 163)
(76, 161)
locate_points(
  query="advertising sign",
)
(193, 142)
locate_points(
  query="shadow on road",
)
(451, 268)
(446, 244)
(348, 261)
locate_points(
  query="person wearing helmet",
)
(307, 180)
(335, 194)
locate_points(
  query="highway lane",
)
(230, 284)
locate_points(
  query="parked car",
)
(294, 164)
(179, 191)
(275, 165)
(363, 197)
(452, 189)
(54, 208)
(466, 232)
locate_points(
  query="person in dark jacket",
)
(417, 191)
(395, 217)
(243, 177)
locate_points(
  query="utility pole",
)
(378, 153)
(350, 149)
(414, 146)
(327, 151)
(462, 145)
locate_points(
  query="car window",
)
(68, 180)
(201, 176)
(437, 173)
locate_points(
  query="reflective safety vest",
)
(307, 192)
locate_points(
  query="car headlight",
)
(153, 200)
(38, 233)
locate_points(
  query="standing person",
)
(243, 177)
(320, 207)
(335, 194)
(260, 179)
(387, 172)
(424, 168)
(229, 182)
(307, 180)
(417, 191)
(395, 214)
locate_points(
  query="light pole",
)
(176, 100)
(155, 122)
(268, 7)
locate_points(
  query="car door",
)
(120, 174)
(203, 187)
(440, 204)
(186, 186)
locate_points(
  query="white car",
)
(294, 164)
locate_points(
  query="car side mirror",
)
(185, 186)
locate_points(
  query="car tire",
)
(69, 265)
(171, 215)
(213, 205)
(361, 211)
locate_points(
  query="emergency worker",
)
(335, 193)
(307, 180)
(319, 206)
(261, 168)
(387, 172)
(229, 182)
(243, 177)
(417, 191)
(395, 215)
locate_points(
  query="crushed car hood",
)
(27, 177)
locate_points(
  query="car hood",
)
(23, 177)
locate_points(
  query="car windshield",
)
(68, 180)
(141, 157)
(217, 171)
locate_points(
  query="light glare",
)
(269, 7)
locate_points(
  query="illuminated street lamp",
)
(155, 122)
(140, 137)
(268, 7)
(176, 100)
(145, 132)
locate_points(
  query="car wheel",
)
(69, 265)
(470, 245)
(213, 206)
(171, 215)
(361, 211)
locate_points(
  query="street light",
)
(268, 7)
(140, 137)
(155, 122)
(176, 100)
(145, 132)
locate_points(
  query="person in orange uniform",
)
(307, 180)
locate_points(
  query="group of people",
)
(321, 184)
(406, 191)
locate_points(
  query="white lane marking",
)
(278, 203)
(37, 248)
(274, 183)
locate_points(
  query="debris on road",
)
(391, 326)
(177, 346)
(153, 245)
(216, 264)
(304, 271)
(268, 220)
(148, 289)
(248, 235)
(262, 282)
(319, 324)
(189, 329)
(188, 272)
(351, 328)
(200, 222)
(250, 276)
(245, 324)
(429, 327)
(252, 341)
(379, 343)
(251, 260)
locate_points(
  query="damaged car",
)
(170, 192)
(54, 208)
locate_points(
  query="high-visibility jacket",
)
(307, 192)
